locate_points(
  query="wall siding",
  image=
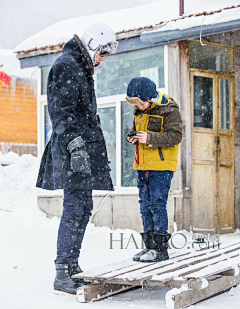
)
(18, 112)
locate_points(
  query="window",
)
(47, 125)
(203, 102)
(44, 76)
(210, 57)
(116, 72)
(108, 126)
(224, 104)
(129, 176)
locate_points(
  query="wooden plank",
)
(145, 267)
(173, 257)
(121, 267)
(179, 298)
(186, 143)
(197, 282)
(181, 262)
(211, 270)
(160, 267)
(187, 270)
(203, 72)
(93, 292)
(106, 271)
(95, 272)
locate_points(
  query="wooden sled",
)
(193, 275)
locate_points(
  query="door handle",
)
(218, 140)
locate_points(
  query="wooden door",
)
(225, 154)
(212, 207)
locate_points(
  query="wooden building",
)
(18, 107)
(18, 112)
(196, 60)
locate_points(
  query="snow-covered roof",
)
(129, 23)
(10, 65)
(205, 23)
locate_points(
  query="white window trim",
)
(165, 89)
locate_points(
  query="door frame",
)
(216, 131)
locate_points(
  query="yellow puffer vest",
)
(154, 158)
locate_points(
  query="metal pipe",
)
(181, 7)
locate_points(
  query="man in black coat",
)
(75, 159)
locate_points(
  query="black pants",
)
(77, 207)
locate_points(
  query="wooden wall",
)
(18, 111)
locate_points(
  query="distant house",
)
(196, 60)
(18, 107)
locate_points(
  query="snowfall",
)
(28, 241)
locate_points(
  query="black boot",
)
(146, 237)
(76, 269)
(158, 251)
(63, 281)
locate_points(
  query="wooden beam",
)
(39, 53)
(191, 296)
(99, 291)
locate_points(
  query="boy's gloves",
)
(80, 160)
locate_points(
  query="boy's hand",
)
(141, 137)
(131, 140)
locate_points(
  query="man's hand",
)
(141, 137)
(80, 161)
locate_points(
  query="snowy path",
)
(28, 244)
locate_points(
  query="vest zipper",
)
(161, 153)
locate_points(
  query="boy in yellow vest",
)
(156, 132)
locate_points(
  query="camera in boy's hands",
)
(131, 137)
(132, 134)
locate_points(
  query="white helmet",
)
(99, 37)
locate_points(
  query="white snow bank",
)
(140, 16)
(11, 65)
(10, 157)
(18, 193)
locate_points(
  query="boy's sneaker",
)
(158, 249)
(154, 255)
(148, 239)
(137, 256)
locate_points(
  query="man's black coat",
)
(72, 109)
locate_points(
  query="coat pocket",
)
(154, 124)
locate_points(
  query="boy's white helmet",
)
(99, 37)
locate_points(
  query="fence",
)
(19, 148)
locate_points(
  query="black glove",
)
(80, 160)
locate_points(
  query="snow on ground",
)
(28, 246)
